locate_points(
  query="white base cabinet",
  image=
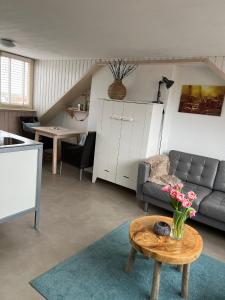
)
(127, 132)
(20, 177)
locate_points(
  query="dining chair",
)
(29, 133)
(80, 156)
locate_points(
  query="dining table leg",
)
(59, 149)
(37, 136)
(55, 155)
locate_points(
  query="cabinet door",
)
(107, 144)
(133, 131)
(18, 173)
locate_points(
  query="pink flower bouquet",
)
(182, 205)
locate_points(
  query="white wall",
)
(53, 78)
(142, 85)
(198, 134)
(64, 119)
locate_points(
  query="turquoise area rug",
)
(97, 273)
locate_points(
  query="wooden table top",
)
(57, 130)
(163, 248)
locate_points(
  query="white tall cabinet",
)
(127, 132)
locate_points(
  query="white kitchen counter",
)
(20, 176)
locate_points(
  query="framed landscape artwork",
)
(202, 99)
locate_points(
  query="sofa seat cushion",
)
(213, 206)
(155, 190)
(199, 190)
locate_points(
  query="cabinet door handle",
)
(106, 170)
(126, 177)
(128, 119)
(114, 117)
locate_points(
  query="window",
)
(15, 81)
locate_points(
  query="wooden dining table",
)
(57, 133)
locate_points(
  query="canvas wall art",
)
(202, 99)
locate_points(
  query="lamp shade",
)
(167, 82)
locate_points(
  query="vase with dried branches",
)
(120, 69)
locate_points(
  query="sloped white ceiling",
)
(114, 28)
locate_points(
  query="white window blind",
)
(15, 80)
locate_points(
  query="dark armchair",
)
(79, 156)
(31, 134)
(26, 133)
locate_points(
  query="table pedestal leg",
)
(185, 279)
(155, 281)
(131, 260)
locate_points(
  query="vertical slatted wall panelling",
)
(9, 120)
(218, 61)
(53, 78)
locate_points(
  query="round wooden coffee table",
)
(164, 249)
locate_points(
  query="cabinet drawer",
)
(129, 181)
(106, 174)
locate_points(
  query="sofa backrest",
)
(193, 168)
(219, 184)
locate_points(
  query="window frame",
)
(29, 106)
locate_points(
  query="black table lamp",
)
(168, 83)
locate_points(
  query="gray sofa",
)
(204, 175)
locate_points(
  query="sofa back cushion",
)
(193, 168)
(219, 184)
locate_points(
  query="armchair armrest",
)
(143, 174)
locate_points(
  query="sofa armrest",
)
(143, 174)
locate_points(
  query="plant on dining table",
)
(182, 208)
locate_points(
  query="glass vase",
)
(177, 229)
